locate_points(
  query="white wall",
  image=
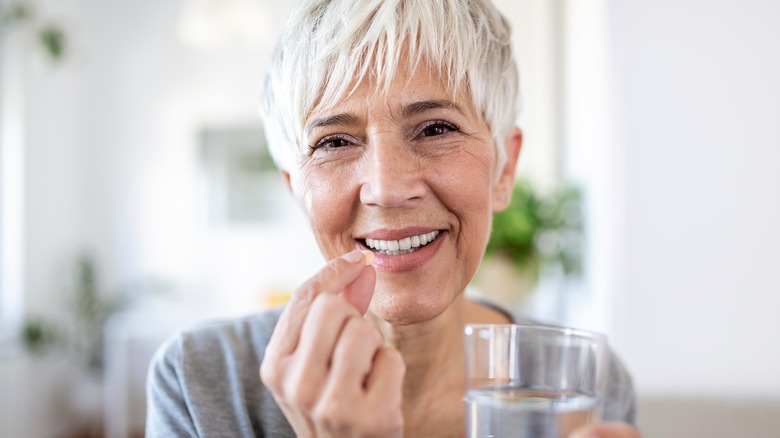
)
(536, 41)
(696, 297)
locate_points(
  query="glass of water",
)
(532, 381)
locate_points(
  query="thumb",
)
(359, 292)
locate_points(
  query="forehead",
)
(407, 89)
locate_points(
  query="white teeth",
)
(403, 246)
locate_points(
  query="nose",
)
(393, 175)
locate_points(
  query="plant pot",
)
(501, 281)
(86, 403)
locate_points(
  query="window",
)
(11, 189)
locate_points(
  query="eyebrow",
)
(336, 119)
(427, 105)
(412, 109)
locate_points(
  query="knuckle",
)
(325, 303)
(333, 414)
(394, 358)
(331, 307)
(393, 364)
(311, 289)
(301, 396)
(332, 269)
(271, 373)
(328, 412)
(321, 281)
(304, 293)
(364, 329)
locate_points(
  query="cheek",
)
(328, 210)
(467, 185)
(311, 192)
(466, 191)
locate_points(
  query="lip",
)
(406, 262)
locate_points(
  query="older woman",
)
(393, 123)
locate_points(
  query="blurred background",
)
(137, 197)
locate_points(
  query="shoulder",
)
(233, 340)
(254, 329)
(620, 397)
(205, 378)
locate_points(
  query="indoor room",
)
(138, 197)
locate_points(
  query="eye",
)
(436, 128)
(331, 142)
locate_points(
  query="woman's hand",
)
(606, 430)
(326, 366)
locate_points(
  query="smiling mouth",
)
(406, 245)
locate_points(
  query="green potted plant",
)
(538, 233)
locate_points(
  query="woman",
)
(393, 123)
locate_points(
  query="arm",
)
(167, 413)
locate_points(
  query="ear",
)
(286, 176)
(502, 189)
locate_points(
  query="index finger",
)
(337, 275)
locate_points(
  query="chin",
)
(400, 306)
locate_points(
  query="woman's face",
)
(409, 174)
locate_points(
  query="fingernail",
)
(353, 256)
(370, 256)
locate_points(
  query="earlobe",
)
(286, 176)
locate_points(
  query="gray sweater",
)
(205, 382)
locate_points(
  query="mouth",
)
(404, 246)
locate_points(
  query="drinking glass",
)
(532, 381)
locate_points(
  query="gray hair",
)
(330, 46)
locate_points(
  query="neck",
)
(429, 347)
(433, 351)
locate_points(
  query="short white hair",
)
(330, 46)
